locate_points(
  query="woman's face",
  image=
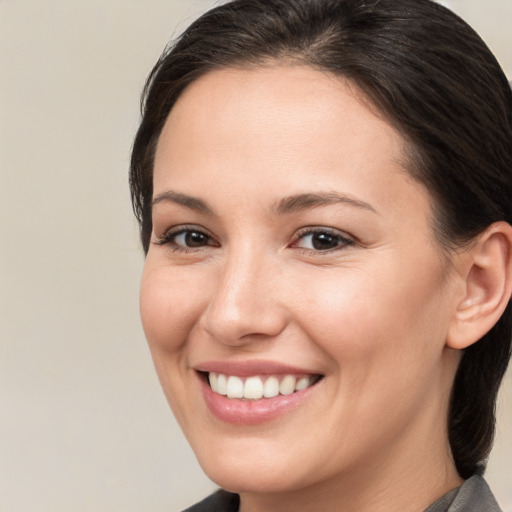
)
(290, 249)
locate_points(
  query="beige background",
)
(83, 424)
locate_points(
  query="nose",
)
(244, 305)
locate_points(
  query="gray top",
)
(473, 495)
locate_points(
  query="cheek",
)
(169, 307)
(383, 333)
(375, 311)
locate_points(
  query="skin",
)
(371, 315)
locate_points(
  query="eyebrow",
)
(300, 202)
(193, 203)
(290, 204)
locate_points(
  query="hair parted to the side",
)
(432, 77)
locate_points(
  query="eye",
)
(191, 238)
(322, 239)
(184, 239)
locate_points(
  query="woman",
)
(323, 189)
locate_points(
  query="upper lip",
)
(248, 368)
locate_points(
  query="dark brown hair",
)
(432, 77)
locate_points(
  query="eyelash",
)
(343, 240)
(169, 238)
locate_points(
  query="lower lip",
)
(251, 412)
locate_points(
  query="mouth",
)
(254, 392)
(258, 387)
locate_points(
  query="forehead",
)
(278, 127)
(292, 102)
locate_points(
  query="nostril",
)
(235, 327)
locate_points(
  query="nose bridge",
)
(244, 302)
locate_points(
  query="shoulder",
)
(221, 501)
(473, 495)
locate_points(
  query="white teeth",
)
(235, 387)
(271, 387)
(222, 384)
(255, 388)
(287, 386)
(302, 383)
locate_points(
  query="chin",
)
(256, 467)
(245, 478)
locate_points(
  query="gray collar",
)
(473, 495)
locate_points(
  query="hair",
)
(432, 77)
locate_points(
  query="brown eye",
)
(322, 240)
(190, 238)
(187, 239)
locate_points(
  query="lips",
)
(252, 392)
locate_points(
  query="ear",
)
(487, 273)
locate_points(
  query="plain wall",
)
(83, 423)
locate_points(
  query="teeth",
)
(302, 383)
(271, 387)
(235, 387)
(222, 384)
(287, 386)
(255, 388)
(213, 378)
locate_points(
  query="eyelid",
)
(345, 239)
(323, 229)
(170, 235)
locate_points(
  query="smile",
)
(258, 387)
(253, 392)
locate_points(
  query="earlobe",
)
(488, 286)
